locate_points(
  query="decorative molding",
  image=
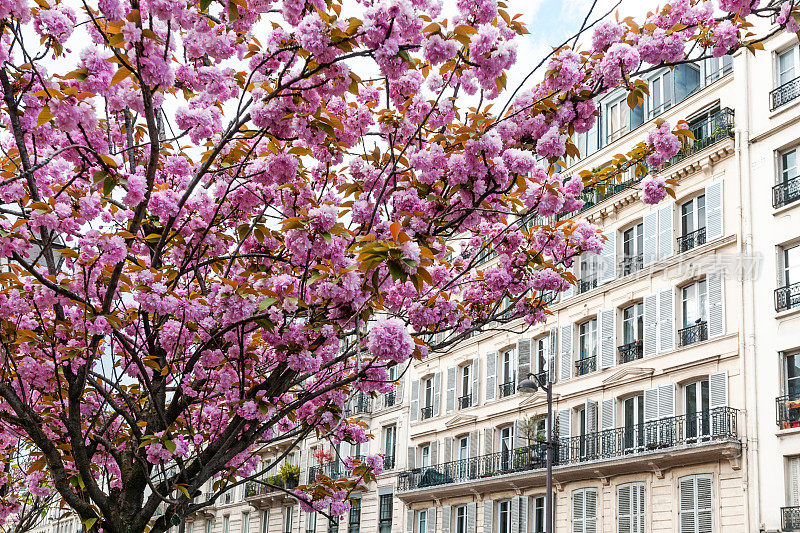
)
(627, 375)
(460, 420)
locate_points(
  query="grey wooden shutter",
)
(570, 290)
(666, 320)
(411, 458)
(666, 235)
(472, 511)
(488, 516)
(434, 452)
(410, 521)
(437, 392)
(413, 413)
(650, 405)
(696, 504)
(565, 358)
(718, 390)
(431, 519)
(564, 424)
(666, 400)
(716, 309)
(650, 231)
(591, 416)
(552, 349)
(608, 258)
(491, 376)
(793, 464)
(398, 396)
(608, 337)
(448, 450)
(705, 505)
(624, 514)
(687, 501)
(476, 391)
(473, 444)
(714, 219)
(515, 514)
(523, 514)
(520, 438)
(446, 515)
(488, 440)
(607, 414)
(578, 511)
(650, 319)
(450, 403)
(590, 511)
(523, 360)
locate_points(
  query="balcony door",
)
(466, 387)
(696, 402)
(790, 266)
(506, 447)
(787, 66)
(632, 248)
(509, 370)
(463, 456)
(428, 394)
(633, 418)
(693, 216)
(694, 304)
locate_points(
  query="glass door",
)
(697, 411)
(633, 414)
(506, 447)
(463, 457)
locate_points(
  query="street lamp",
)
(530, 385)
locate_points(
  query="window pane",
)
(786, 67)
(687, 81)
(789, 165)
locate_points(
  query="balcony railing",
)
(390, 398)
(630, 352)
(711, 130)
(787, 297)
(586, 365)
(790, 518)
(332, 469)
(388, 462)
(786, 192)
(784, 94)
(465, 401)
(718, 424)
(360, 404)
(507, 389)
(694, 333)
(585, 285)
(787, 411)
(691, 240)
(631, 264)
(426, 412)
(597, 193)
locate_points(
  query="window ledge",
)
(787, 432)
(782, 109)
(787, 313)
(784, 208)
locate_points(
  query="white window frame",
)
(541, 354)
(634, 323)
(504, 510)
(581, 527)
(428, 391)
(460, 514)
(787, 173)
(245, 523)
(694, 298)
(794, 53)
(508, 365)
(538, 507)
(637, 517)
(693, 219)
(659, 81)
(425, 456)
(390, 436)
(466, 380)
(288, 518)
(422, 521)
(587, 334)
(636, 252)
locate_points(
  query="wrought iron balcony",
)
(507, 389)
(691, 240)
(332, 469)
(586, 365)
(360, 404)
(426, 412)
(695, 333)
(714, 425)
(388, 462)
(630, 352)
(585, 285)
(786, 192)
(631, 264)
(787, 411)
(787, 297)
(784, 94)
(790, 518)
(711, 130)
(465, 401)
(602, 191)
(390, 398)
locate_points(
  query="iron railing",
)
(790, 518)
(711, 130)
(507, 389)
(332, 469)
(691, 240)
(787, 411)
(695, 333)
(786, 192)
(784, 94)
(718, 424)
(787, 297)
(390, 398)
(426, 412)
(597, 193)
(465, 401)
(586, 365)
(388, 462)
(585, 285)
(630, 352)
(360, 404)
(631, 264)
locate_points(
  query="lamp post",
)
(530, 385)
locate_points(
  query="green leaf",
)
(170, 446)
(204, 4)
(88, 523)
(108, 184)
(266, 302)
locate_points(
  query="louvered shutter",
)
(714, 222)
(578, 511)
(523, 360)
(590, 511)
(434, 452)
(448, 450)
(409, 521)
(639, 516)
(413, 414)
(650, 230)
(520, 438)
(793, 464)
(608, 258)
(475, 368)
(446, 516)
(523, 514)
(552, 349)
(473, 444)
(488, 516)
(666, 238)
(515, 514)
(608, 336)
(666, 400)
(450, 403)
(705, 505)
(570, 290)
(491, 376)
(607, 436)
(472, 511)
(565, 358)
(687, 500)
(716, 308)
(437, 392)
(411, 458)
(666, 320)
(624, 518)
(564, 423)
(650, 319)
(431, 519)
(398, 396)
(488, 440)
(650, 405)
(591, 436)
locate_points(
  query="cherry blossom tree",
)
(221, 219)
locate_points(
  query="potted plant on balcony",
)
(290, 474)
(275, 481)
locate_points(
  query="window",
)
(632, 249)
(210, 526)
(789, 165)
(787, 66)
(787, 296)
(716, 67)
(390, 398)
(687, 80)
(333, 525)
(425, 456)
(620, 119)
(630, 508)
(385, 513)
(311, 522)
(509, 372)
(190, 527)
(632, 333)
(465, 400)
(696, 404)
(633, 420)
(245, 522)
(587, 345)
(788, 188)
(584, 511)
(694, 313)
(538, 514)
(793, 490)
(696, 500)
(693, 223)
(588, 272)
(423, 522)
(354, 524)
(389, 444)
(461, 519)
(792, 375)
(264, 523)
(427, 387)
(504, 516)
(462, 444)
(661, 93)
(506, 446)
(288, 513)
(542, 354)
